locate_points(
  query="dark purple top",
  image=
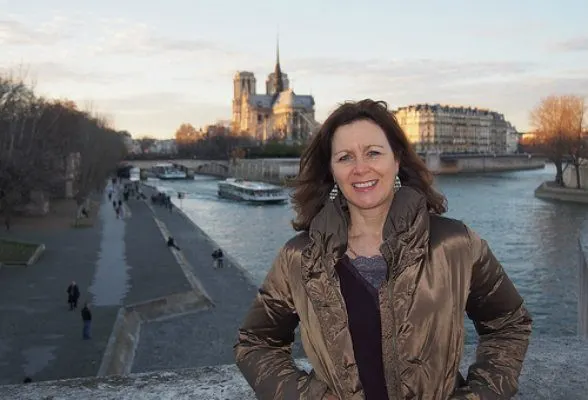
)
(360, 279)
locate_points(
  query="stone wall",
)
(267, 170)
(555, 368)
(483, 163)
(550, 191)
(583, 283)
(570, 178)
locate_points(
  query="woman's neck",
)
(367, 223)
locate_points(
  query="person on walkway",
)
(73, 294)
(87, 320)
(172, 243)
(379, 281)
(217, 257)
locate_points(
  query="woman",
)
(379, 282)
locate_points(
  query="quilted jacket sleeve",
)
(264, 349)
(503, 325)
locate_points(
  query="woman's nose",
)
(361, 166)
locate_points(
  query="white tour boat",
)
(168, 171)
(254, 192)
(135, 174)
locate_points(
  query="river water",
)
(536, 240)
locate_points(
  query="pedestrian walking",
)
(73, 294)
(172, 243)
(217, 257)
(87, 320)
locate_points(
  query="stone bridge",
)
(219, 168)
(276, 170)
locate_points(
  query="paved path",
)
(116, 262)
(154, 270)
(39, 336)
(204, 338)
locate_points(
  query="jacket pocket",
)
(407, 378)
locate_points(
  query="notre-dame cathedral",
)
(279, 113)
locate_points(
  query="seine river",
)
(536, 240)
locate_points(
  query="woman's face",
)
(363, 165)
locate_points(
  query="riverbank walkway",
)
(115, 262)
(206, 337)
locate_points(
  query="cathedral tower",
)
(243, 86)
(277, 81)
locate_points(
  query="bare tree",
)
(186, 133)
(40, 138)
(557, 122)
(19, 140)
(99, 150)
(145, 142)
(578, 149)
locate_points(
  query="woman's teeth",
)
(363, 185)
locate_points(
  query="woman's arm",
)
(264, 348)
(503, 325)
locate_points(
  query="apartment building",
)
(450, 129)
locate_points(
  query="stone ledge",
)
(548, 191)
(555, 368)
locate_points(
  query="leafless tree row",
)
(45, 143)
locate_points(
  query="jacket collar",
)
(405, 233)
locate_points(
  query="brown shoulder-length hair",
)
(315, 180)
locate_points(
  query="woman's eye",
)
(373, 153)
(344, 158)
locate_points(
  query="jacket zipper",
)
(395, 359)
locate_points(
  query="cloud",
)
(158, 113)
(408, 69)
(14, 32)
(510, 87)
(503, 29)
(401, 80)
(147, 102)
(51, 73)
(513, 98)
(135, 39)
(576, 44)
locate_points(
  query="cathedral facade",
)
(278, 114)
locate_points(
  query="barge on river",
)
(251, 191)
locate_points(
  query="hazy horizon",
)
(150, 68)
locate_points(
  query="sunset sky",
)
(152, 66)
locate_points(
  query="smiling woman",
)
(379, 282)
(350, 126)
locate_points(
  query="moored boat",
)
(251, 191)
(168, 171)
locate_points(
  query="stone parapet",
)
(583, 283)
(550, 191)
(555, 368)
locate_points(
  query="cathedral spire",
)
(277, 70)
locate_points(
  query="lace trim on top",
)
(372, 269)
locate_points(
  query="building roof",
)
(288, 98)
(261, 100)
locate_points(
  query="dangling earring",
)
(334, 192)
(397, 183)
